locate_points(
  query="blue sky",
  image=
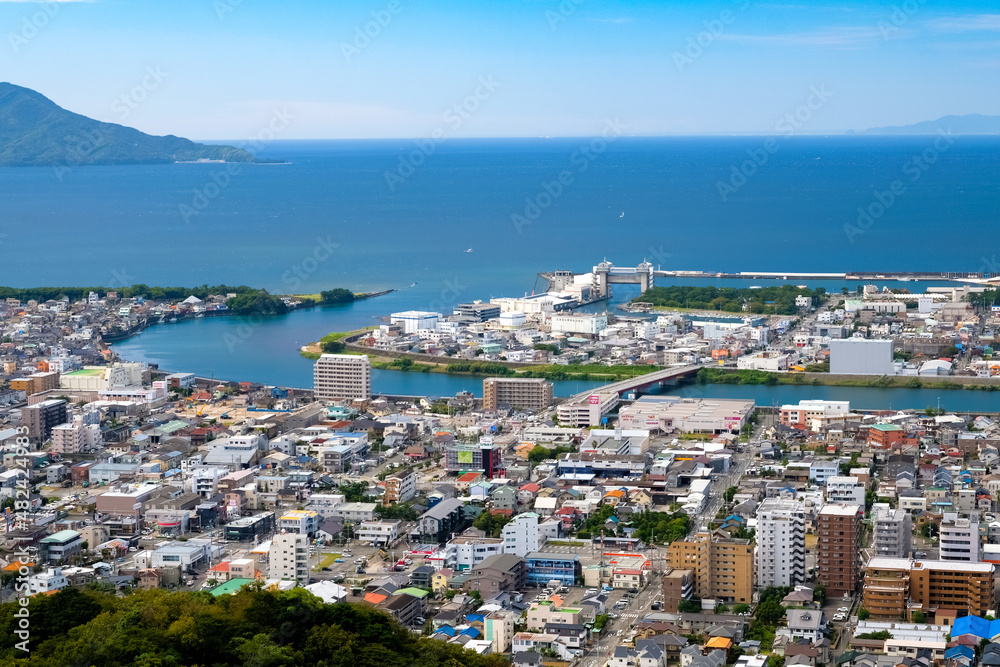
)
(224, 69)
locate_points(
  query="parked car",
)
(839, 617)
(844, 610)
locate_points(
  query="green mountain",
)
(970, 124)
(35, 131)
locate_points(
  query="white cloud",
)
(830, 37)
(970, 23)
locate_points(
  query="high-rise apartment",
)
(289, 557)
(781, 543)
(534, 394)
(838, 532)
(892, 528)
(337, 376)
(723, 567)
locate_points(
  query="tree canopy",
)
(252, 627)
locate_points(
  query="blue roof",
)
(975, 625)
(448, 630)
(472, 632)
(960, 651)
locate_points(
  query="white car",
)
(839, 617)
(844, 610)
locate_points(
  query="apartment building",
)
(41, 418)
(289, 557)
(304, 522)
(898, 586)
(959, 537)
(337, 376)
(399, 488)
(75, 437)
(838, 531)
(381, 533)
(533, 394)
(723, 568)
(892, 528)
(36, 383)
(802, 415)
(845, 489)
(781, 543)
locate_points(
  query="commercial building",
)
(860, 356)
(838, 532)
(60, 546)
(546, 567)
(781, 543)
(723, 568)
(337, 376)
(896, 587)
(588, 410)
(892, 528)
(413, 321)
(533, 394)
(251, 528)
(41, 418)
(399, 488)
(959, 537)
(484, 457)
(289, 558)
(687, 415)
(807, 410)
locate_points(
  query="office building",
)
(896, 587)
(892, 528)
(478, 310)
(722, 568)
(838, 532)
(532, 394)
(781, 543)
(338, 376)
(289, 557)
(484, 457)
(41, 418)
(36, 383)
(807, 410)
(959, 537)
(588, 410)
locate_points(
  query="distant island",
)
(37, 132)
(970, 124)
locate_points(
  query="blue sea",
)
(338, 214)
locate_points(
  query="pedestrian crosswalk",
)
(630, 614)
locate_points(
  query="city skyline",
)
(388, 69)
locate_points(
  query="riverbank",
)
(750, 377)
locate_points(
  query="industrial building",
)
(860, 356)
